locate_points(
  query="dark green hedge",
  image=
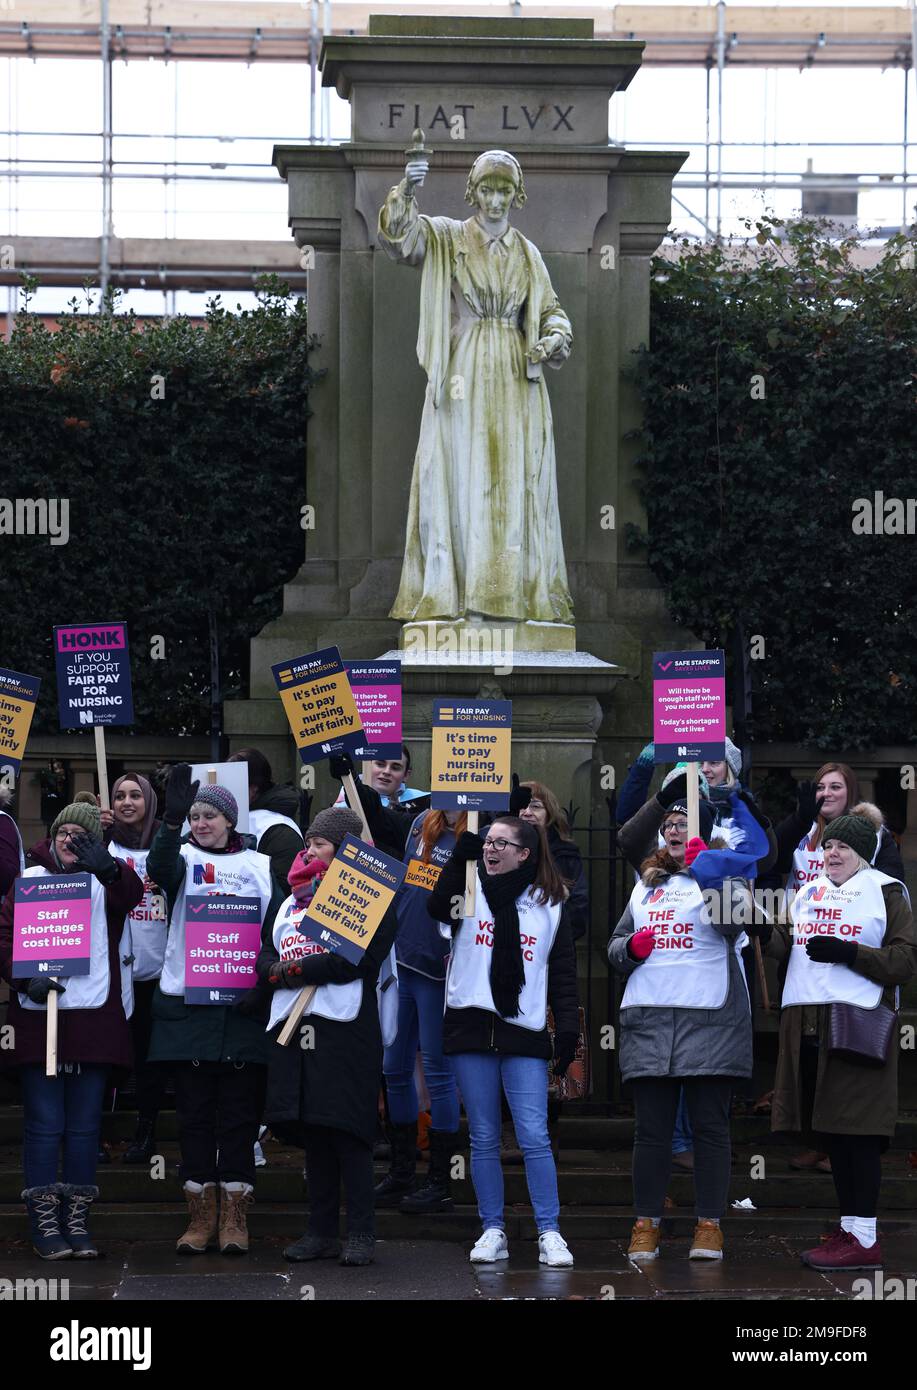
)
(180, 508)
(750, 501)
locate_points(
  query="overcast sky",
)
(235, 113)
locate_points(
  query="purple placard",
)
(222, 940)
(376, 687)
(52, 925)
(689, 706)
(93, 674)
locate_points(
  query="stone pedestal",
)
(597, 212)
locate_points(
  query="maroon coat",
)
(83, 1035)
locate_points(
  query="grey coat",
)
(686, 1042)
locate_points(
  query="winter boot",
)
(434, 1193)
(74, 1205)
(202, 1229)
(141, 1147)
(235, 1198)
(358, 1250)
(400, 1177)
(43, 1206)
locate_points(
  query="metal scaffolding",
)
(718, 37)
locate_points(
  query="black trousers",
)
(332, 1155)
(219, 1107)
(655, 1104)
(150, 1077)
(856, 1167)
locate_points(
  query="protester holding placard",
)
(272, 813)
(685, 1016)
(218, 1051)
(322, 1094)
(65, 1110)
(130, 828)
(388, 827)
(422, 954)
(509, 960)
(850, 946)
(639, 831)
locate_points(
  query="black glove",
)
(761, 931)
(285, 974)
(565, 1045)
(95, 858)
(468, 846)
(808, 805)
(180, 794)
(760, 817)
(519, 797)
(677, 790)
(40, 986)
(340, 765)
(827, 950)
(249, 1003)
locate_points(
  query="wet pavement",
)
(754, 1269)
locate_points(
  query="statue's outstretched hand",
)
(415, 171)
(546, 347)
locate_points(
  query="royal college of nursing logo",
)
(814, 894)
(204, 873)
(652, 896)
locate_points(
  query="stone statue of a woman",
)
(483, 531)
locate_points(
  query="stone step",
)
(586, 1179)
(155, 1221)
(577, 1130)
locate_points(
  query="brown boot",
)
(202, 1229)
(235, 1197)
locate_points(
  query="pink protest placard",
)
(376, 687)
(222, 941)
(52, 925)
(689, 706)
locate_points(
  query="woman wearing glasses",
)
(510, 959)
(65, 1110)
(685, 1015)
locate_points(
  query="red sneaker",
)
(825, 1242)
(844, 1252)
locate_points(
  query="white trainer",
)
(491, 1247)
(553, 1250)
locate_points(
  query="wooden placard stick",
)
(353, 801)
(211, 776)
(762, 978)
(471, 868)
(101, 767)
(304, 999)
(51, 1042)
(105, 805)
(691, 771)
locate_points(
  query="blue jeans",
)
(64, 1109)
(420, 1019)
(525, 1083)
(683, 1134)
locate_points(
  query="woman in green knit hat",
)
(851, 943)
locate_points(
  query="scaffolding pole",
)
(107, 159)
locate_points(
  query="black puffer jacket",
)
(567, 857)
(482, 1030)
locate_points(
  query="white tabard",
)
(852, 911)
(338, 1002)
(688, 967)
(148, 924)
(468, 978)
(243, 875)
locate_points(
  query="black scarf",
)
(507, 973)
